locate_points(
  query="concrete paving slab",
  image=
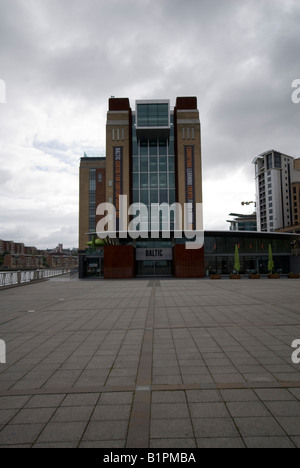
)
(150, 363)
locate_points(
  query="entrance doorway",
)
(154, 268)
(94, 267)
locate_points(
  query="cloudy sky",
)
(62, 59)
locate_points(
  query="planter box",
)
(215, 277)
(254, 276)
(235, 276)
(274, 276)
(294, 276)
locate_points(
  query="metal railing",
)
(74, 273)
(10, 278)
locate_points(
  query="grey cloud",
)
(5, 176)
(60, 58)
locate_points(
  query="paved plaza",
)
(159, 363)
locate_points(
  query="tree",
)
(237, 265)
(271, 264)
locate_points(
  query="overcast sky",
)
(61, 60)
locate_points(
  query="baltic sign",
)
(154, 254)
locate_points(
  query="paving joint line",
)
(151, 388)
(138, 435)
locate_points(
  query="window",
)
(135, 180)
(277, 160)
(144, 148)
(171, 180)
(135, 164)
(171, 163)
(144, 181)
(153, 147)
(144, 197)
(163, 180)
(144, 164)
(162, 147)
(154, 180)
(153, 115)
(153, 164)
(269, 161)
(163, 164)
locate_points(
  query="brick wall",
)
(119, 261)
(188, 263)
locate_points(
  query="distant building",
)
(61, 261)
(92, 192)
(242, 222)
(277, 192)
(17, 256)
(295, 228)
(23, 262)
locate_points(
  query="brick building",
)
(153, 158)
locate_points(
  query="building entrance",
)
(94, 267)
(154, 268)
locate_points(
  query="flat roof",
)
(206, 234)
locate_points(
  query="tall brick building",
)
(153, 157)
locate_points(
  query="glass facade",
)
(247, 245)
(152, 115)
(153, 174)
(254, 249)
(154, 267)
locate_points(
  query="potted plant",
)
(254, 275)
(271, 265)
(237, 265)
(214, 276)
(293, 275)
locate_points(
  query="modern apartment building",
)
(243, 222)
(277, 191)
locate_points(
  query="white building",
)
(275, 174)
